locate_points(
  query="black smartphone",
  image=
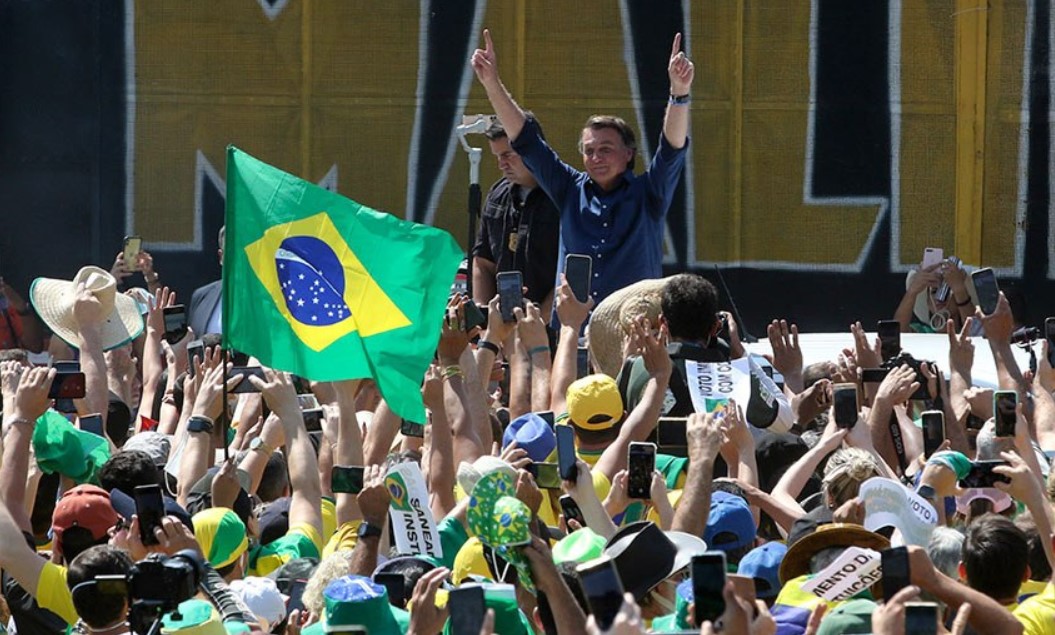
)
(566, 456)
(510, 293)
(395, 584)
(195, 348)
(981, 474)
(672, 432)
(411, 429)
(69, 366)
(571, 511)
(844, 402)
(921, 618)
(467, 608)
(578, 270)
(296, 596)
(547, 416)
(874, 375)
(640, 463)
(67, 385)
(1049, 334)
(132, 247)
(150, 508)
(1004, 404)
(312, 419)
(708, 586)
(92, 423)
(889, 338)
(245, 371)
(933, 431)
(895, 568)
(603, 590)
(347, 479)
(547, 475)
(175, 323)
(474, 316)
(987, 289)
(582, 362)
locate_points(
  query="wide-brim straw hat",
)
(53, 300)
(608, 325)
(796, 561)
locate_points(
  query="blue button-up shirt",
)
(622, 230)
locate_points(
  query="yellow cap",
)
(594, 402)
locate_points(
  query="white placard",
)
(765, 407)
(412, 523)
(852, 572)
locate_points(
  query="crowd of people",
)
(147, 485)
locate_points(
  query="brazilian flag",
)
(318, 285)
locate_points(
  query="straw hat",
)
(609, 320)
(796, 561)
(53, 300)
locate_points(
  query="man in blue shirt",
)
(607, 212)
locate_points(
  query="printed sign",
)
(743, 380)
(891, 504)
(412, 522)
(852, 572)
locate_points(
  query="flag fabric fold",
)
(320, 286)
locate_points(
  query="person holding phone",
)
(519, 229)
(607, 212)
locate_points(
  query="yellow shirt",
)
(1037, 614)
(53, 593)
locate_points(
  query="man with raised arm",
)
(607, 212)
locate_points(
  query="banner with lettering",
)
(852, 572)
(412, 523)
(743, 380)
(891, 504)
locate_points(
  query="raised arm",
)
(485, 65)
(153, 357)
(441, 465)
(704, 435)
(681, 71)
(998, 328)
(88, 312)
(571, 314)
(21, 411)
(532, 330)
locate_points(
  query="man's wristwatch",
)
(367, 530)
(198, 423)
(258, 444)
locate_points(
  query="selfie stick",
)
(472, 124)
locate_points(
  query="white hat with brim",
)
(54, 300)
(607, 327)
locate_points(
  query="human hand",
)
(658, 487)
(680, 69)
(927, 278)
(515, 455)
(10, 374)
(453, 338)
(627, 620)
(87, 309)
(432, 388)
(897, 386)
(889, 617)
(867, 354)
(852, 511)
(961, 349)
(531, 326)
(279, 394)
(811, 402)
(527, 491)
(173, 536)
(120, 269)
(540, 559)
(1024, 486)
(846, 368)
(617, 499)
(145, 264)
(374, 498)
(787, 355)
(955, 276)
(485, 62)
(704, 434)
(163, 298)
(736, 347)
(1045, 376)
(498, 330)
(998, 326)
(816, 617)
(31, 397)
(935, 379)
(652, 347)
(208, 401)
(225, 485)
(743, 617)
(570, 311)
(425, 617)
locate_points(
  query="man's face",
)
(510, 164)
(604, 155)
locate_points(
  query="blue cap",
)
(763, 564)
(730, 524)
(533, 434)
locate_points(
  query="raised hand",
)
(680, 68)
(484, 62)
(961, 349)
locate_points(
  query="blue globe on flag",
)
(312, 280)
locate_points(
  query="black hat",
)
(645, 555)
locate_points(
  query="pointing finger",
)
(488, 46)
(676, 46)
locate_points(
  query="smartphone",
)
(889, 338)
(921, 618)
(395, 584)
(1049, 334)
(92, 423)
(296, 596)
(1004, 403)
(67, 385)
(987, 289)
(547, 475)
(566, 456)
(133, 245)
(347, 479)
(933, 431)
(744, 587)
(895, 569)
(672, 432)
(874, 375)
(195, 348)
(245, 371)
(571, 511)
(547, 416)
(307, 401)
(844, 400)
(931, 257)
(69, 366)
(578, 270)
(603, 590)
(412, 429)
(942, 294)
(582, 362)
(175, 323)
(708, 584)
(312, 419)
(467, 608)
(981, 474)
(474, 316)
(150, 508)
(640, 463)
(510, 293)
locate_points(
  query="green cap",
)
(509, 619)
(197, 617)
(579, 546)
(61, 447)
(955, 461)
(849, 618)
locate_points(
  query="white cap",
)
(262, 597)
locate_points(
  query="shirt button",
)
(605, 225)
(596, 275)
(598, 255)
(602, 241)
